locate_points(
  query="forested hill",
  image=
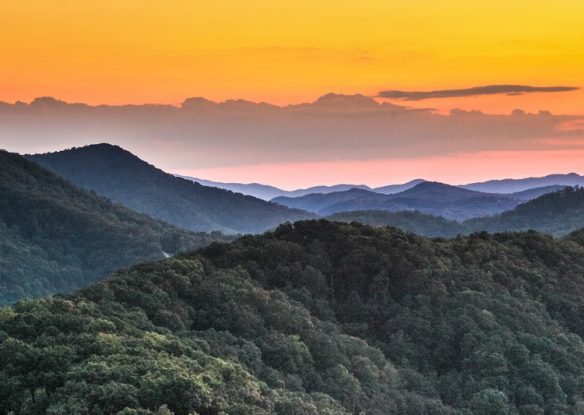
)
(407, 220)
(119, 175)
(314, 318)
(557, 213)
(55, 237)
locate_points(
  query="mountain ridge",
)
(114, 172)
(55, 237)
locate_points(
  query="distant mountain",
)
(325, 189)
(317, 202)
(396, 188)
(411, 221)
(55, 237)
(315, 318)
(261, 191)
(523, 189)
(119, 175)
(267, 192)
(536, 192)
(517, 185)
(433, 198)
(557, 213)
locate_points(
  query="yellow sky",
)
(130, 51)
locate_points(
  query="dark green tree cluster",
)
(181, 336)
(477, 322)
(55, 237)
(317, 317)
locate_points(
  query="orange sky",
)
(130, 51)
(291, 51)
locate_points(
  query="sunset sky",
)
(287, 52)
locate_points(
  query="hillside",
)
(55, 237)
(117, 174)
(314, 318)
(317, 202)
(536, 192)
(556, 213)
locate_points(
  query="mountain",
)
(261, 191)
(536, 192)
(117, 174)
(409, 220)
(396, 188)
(517, 185)
(266, 192)
(316, 202)
(314, 318)
(555, 213)
(325, 189)
(432, 198)
(55, 237)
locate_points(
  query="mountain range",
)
(518, 185)
(267, 192)
(117, 174)
(312, 317)
(506, 186)
(556, 213)
(433, 198)
(316, 317)
(55, 237)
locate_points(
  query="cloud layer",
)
(468, 92)
(207, 135)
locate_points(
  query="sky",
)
(529, 55)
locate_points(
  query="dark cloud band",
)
(468, 92)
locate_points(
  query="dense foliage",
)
(408, 220)
(122, 177)
(490, 324)
(55, 237)
(557, 213)
(316, 317)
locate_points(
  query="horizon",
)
(324, 184)
(298, 94)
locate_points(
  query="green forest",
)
(55, 237)
(316, 317)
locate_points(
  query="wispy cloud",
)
(477, 90)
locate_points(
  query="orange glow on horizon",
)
(456, 169)
(119, 52)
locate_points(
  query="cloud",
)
(202, 134)
(477, 90)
